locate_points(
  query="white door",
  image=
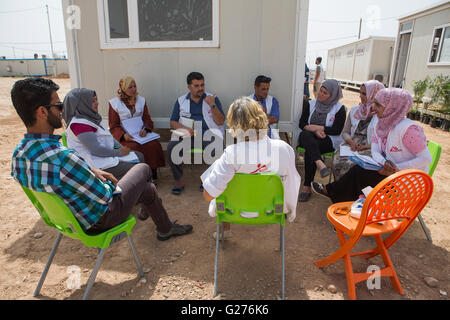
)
(402, 58)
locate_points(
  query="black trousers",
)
(314, 148)
(350, 186)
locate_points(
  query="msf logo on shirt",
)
(395, 149)
(260, 169)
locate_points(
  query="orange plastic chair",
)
(396, 201)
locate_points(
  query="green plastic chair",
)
(325, 155)
(261, 196)
(64, 139)
(435, 150)
(56, 214)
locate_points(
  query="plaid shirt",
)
(42, 164)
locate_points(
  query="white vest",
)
(395, 149)
(355, 123)
(274, 127)
(331, 116)
(185, 111)
(105, 139)
(124, 112)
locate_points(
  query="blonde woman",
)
(249, 124)
(129, 104)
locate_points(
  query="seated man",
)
(270, 104)
(41, 163)
(199, 107)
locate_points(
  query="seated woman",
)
(359, 127)
(249, 125)
(131, 105)
(398, 144)
(321, 123)
(88, 135)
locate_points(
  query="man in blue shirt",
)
(194, 107)
(97, 200)
(269, 104)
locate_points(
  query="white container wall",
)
(360, 61)
(33, 67)
(255, 37)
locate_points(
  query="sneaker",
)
(226, 235)
(143, 214)
(176, 230)
(318, 188)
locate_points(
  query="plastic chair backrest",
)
(256, 199)
(55, 213)
(64, 139)
(400, 196)
(435, 150)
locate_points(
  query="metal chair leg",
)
(94, 274)
(282, 264)
(136, 257)
(47, 266)
(217, 256)
(425, 229)
(281, 239)
(223, 234)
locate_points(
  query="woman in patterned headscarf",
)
(358, 128)
(129, 104)
(398, 143)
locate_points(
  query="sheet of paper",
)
(133, 126)
(189, 123)
(131, 157)
(149, 137)
(346, 151)
(368, 160)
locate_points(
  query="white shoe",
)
(226, 235)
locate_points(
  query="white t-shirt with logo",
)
(279, 159)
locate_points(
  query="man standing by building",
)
(269, 104)
(196, 106)
(319, 76)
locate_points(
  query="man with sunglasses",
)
(97, 200)
(197, 106)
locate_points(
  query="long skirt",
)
(152, 151)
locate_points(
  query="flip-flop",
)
(324, 173)
(177, 190)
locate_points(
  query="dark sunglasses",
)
(58, 105)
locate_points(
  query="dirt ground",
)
(183, 268)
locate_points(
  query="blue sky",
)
(24, 27)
